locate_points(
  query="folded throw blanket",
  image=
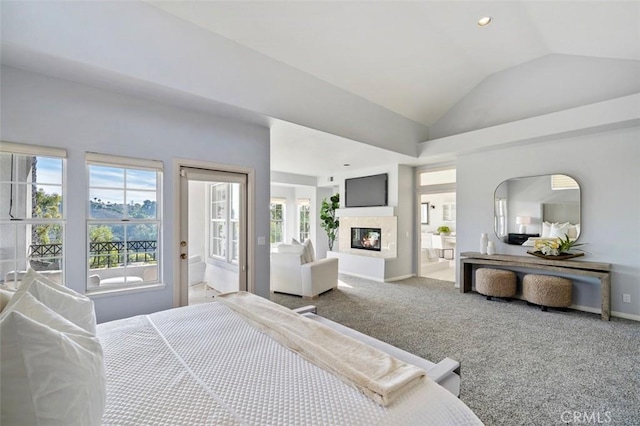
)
(377, 374)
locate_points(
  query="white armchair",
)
(290, 274)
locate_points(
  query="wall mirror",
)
(533, 207)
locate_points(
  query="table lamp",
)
(523, 221)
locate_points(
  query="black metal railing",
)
(104, 254)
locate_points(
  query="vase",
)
(484, 241)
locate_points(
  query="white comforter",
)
(204, 364)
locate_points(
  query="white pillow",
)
(5, 297)
(290, 249)
(546, 229)
(52, 371)
(72, 305)
(309, 252)
(559, 230)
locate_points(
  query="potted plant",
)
(443, 230)
(328, 219)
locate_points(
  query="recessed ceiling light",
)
(484, 21)
(346, 164)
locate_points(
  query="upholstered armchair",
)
(294, 270)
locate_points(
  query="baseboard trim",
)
(366, 277)
(586, 309)
(625, 316)
(401, 277)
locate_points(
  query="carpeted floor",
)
(520, 366)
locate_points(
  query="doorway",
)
(213, 233)
(437, 245)
(436, 200)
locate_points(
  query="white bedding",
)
(204, 364)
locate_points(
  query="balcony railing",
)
(104, 253)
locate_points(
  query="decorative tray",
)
(562, 256)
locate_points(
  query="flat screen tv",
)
(367, 191)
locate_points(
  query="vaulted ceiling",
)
(418, 58)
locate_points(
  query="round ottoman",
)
(496, 282)
(547, 291)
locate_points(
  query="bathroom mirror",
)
(533, 207)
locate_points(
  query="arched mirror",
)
(528, 208)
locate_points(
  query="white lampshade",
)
(523, 221)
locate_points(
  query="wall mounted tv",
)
(367, 191)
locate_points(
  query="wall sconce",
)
(523, 221)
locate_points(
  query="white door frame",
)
(180, 266)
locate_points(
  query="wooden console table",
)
(569, 267)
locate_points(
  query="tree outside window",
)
(276, 235)
(124, 223)
(32, 214)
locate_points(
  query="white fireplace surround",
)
(361, 262)
(388, 226)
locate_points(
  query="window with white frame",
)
(124, 222)
(224, 214)
(276, 234)
(32, 216)
(304, 220)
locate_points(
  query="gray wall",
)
(606, 166)
(51, 112)
(404, 265)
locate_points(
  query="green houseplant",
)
(328, 219)
(444, 230)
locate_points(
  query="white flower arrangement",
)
(555, 247)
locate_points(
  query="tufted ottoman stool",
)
(495, 282)
(547, 291)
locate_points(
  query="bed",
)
(558, 220)
(210, 364)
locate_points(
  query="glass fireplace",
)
(366, 238)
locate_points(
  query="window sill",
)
(116, 291)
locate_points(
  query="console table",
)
(569, 267)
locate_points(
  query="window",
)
(559, 182)
(304, 224)
(277, 221)
(449, 212)
(124, 222)
(501, 216)
(32, 216)
(224, 214)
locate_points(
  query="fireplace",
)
(366, 238)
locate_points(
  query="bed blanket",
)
(378, 375)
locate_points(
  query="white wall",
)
(51, 112)
(606, 166)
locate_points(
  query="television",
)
(367, 191)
